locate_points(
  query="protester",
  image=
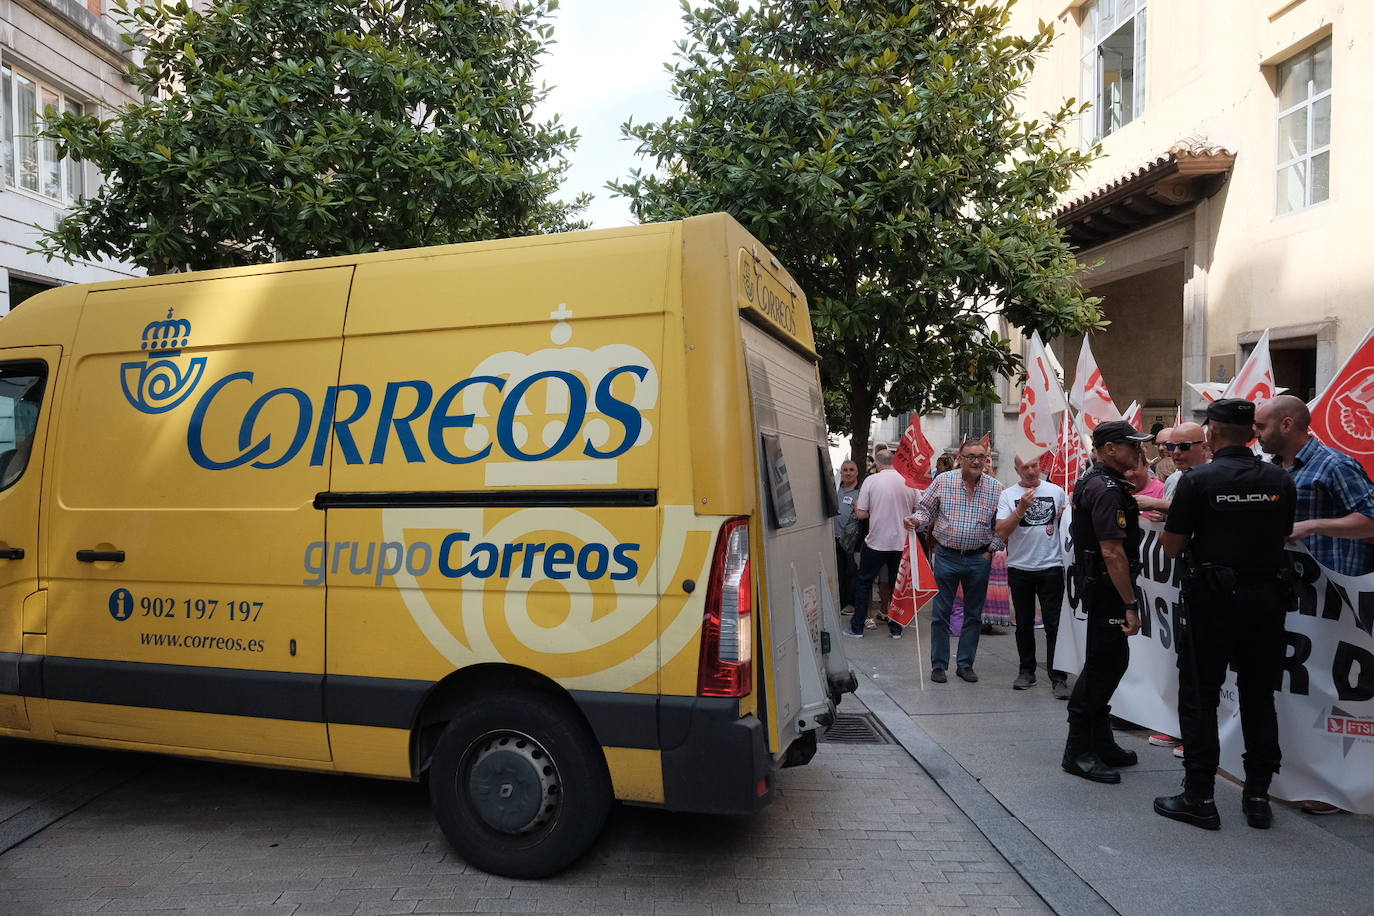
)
(1335, 497)
(1028, 515)
(885, 500)
(1106, 536)
(1232, 517)
(1187, 447)
(846, 531)
(1162, 466)
(959, 509)
(1335, 500)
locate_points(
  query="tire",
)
(519, 784)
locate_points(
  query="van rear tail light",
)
(727, 630)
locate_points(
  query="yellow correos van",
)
(545, 519)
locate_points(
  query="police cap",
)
(1117, 431)
(1237, 411)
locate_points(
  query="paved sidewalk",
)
(862, 830)
(1011, 741)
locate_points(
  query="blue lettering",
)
(328, 422)
(558, 554)
(508, 554)
(629, 567)
(577, 412)
(616, 409)
(603, 558)
(304, 414)
(445, 547)
(472, 569)
(388, 421)
(439, 421)
(194, 441)
(531, 551)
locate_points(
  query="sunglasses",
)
(1179, 446)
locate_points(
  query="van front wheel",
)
(519, 785)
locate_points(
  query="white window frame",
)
(71, 173)
(1094, 33)
(1309, 102)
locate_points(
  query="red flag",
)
(913, 456)
(1132, 415)
(1041, 399)
(986, 442)
(1343, 414)
(1070, 457)
(915, 583)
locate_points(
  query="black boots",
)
(1190, 811)
(1090, 766)
(1257, 812)
(1111, 753)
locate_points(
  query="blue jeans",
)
(952, 571)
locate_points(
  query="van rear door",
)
(798, 554)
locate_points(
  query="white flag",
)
(1089, 395)
(1255, 380)
(1042, 399)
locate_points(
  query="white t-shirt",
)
(1033, 544)
(888, 501)
(1171, 485)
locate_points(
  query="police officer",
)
(1106, 545)
(1231, 517)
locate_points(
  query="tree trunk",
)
(860, 419)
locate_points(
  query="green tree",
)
(875, 146)
(302, 128)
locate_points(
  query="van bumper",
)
(714, 761)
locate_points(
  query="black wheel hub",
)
(513, 783)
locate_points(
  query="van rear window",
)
(779, 486)
(21, 399)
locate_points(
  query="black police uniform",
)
(1237, 512)
(1103, 510)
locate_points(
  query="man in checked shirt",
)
(960, 509)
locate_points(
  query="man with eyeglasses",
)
(960, 509)
(1106, 546)
(1187, 446)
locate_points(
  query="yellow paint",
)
(191, 420)
(370, 751)
(636, 773)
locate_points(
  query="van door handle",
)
(12, 553)
(100, 556)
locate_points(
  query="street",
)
(861, 830)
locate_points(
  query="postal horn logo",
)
(161, 382)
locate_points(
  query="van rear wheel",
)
(519, 785)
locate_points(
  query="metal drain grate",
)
(855, 728)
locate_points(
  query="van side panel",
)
(185, 460)
(522, 509)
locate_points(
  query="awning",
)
(1152, 193)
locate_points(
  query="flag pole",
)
(916, 622)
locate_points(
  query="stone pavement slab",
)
(1009, 742)
(862, 830)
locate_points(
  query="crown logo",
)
(167, 337)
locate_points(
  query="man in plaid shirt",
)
(1335, 497)
(960, 509)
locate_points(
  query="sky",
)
(605, 66)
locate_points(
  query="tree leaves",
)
(876, 147)
(303, 128)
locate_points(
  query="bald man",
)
(1335, 496)
(1188, 448)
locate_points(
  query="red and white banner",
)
(1089, 395)
(915, 583)
(914, 456)
(1325, 711)
(1041, 399)
(1071, 454)
(1343, 414)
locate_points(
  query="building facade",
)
(1231, 193)
(67, 56)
